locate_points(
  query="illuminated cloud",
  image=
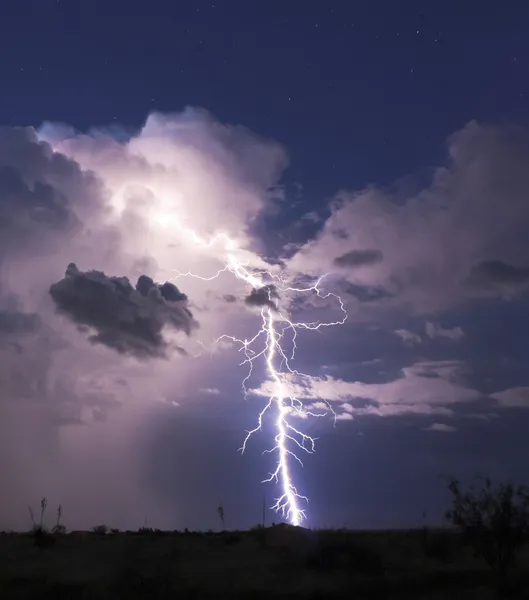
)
(153, 204)
(408, 337)
(442, 427)
(344, 417)
(183, 167)
(434, 330)
(424, 388)
(462, 237)
(515, 397)
(141, 206)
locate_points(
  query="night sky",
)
(384, 144)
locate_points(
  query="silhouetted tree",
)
(100, 529)
(494, 520)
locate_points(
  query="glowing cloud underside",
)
(269, 344)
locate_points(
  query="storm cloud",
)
(263, 296)
(80, 377)
(78, 369)
(469, 222)
(358, 258)
(498, 274)
(18, 323)
(129, 320)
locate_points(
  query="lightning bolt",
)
(275, 325)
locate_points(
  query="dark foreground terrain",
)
(277, 562)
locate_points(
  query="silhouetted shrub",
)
(59, 529)
(42, 538)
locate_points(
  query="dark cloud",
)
(22, 204)
(23, 151)
(229, 298)
(43, 195)
(127, 319)
(16, 323)
(263, 296)
(497, 272)
(363, 293)
(358, 258)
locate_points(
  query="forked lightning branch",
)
(269, 344)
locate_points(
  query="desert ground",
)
(274, 562)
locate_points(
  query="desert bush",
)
(42, 538)
(38, 529)
(494, 521)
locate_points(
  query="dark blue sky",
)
(359, 93)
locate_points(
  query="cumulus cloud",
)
(442, 427)
(210, 391)
(423, 388)
(455, 371)
(344, 417)
(25, 206)
(226, 169)
(127, 319)
(160, 203)
(434, 330)
(515, 397)
(477, 200)
(46, 201)
(408, 337)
